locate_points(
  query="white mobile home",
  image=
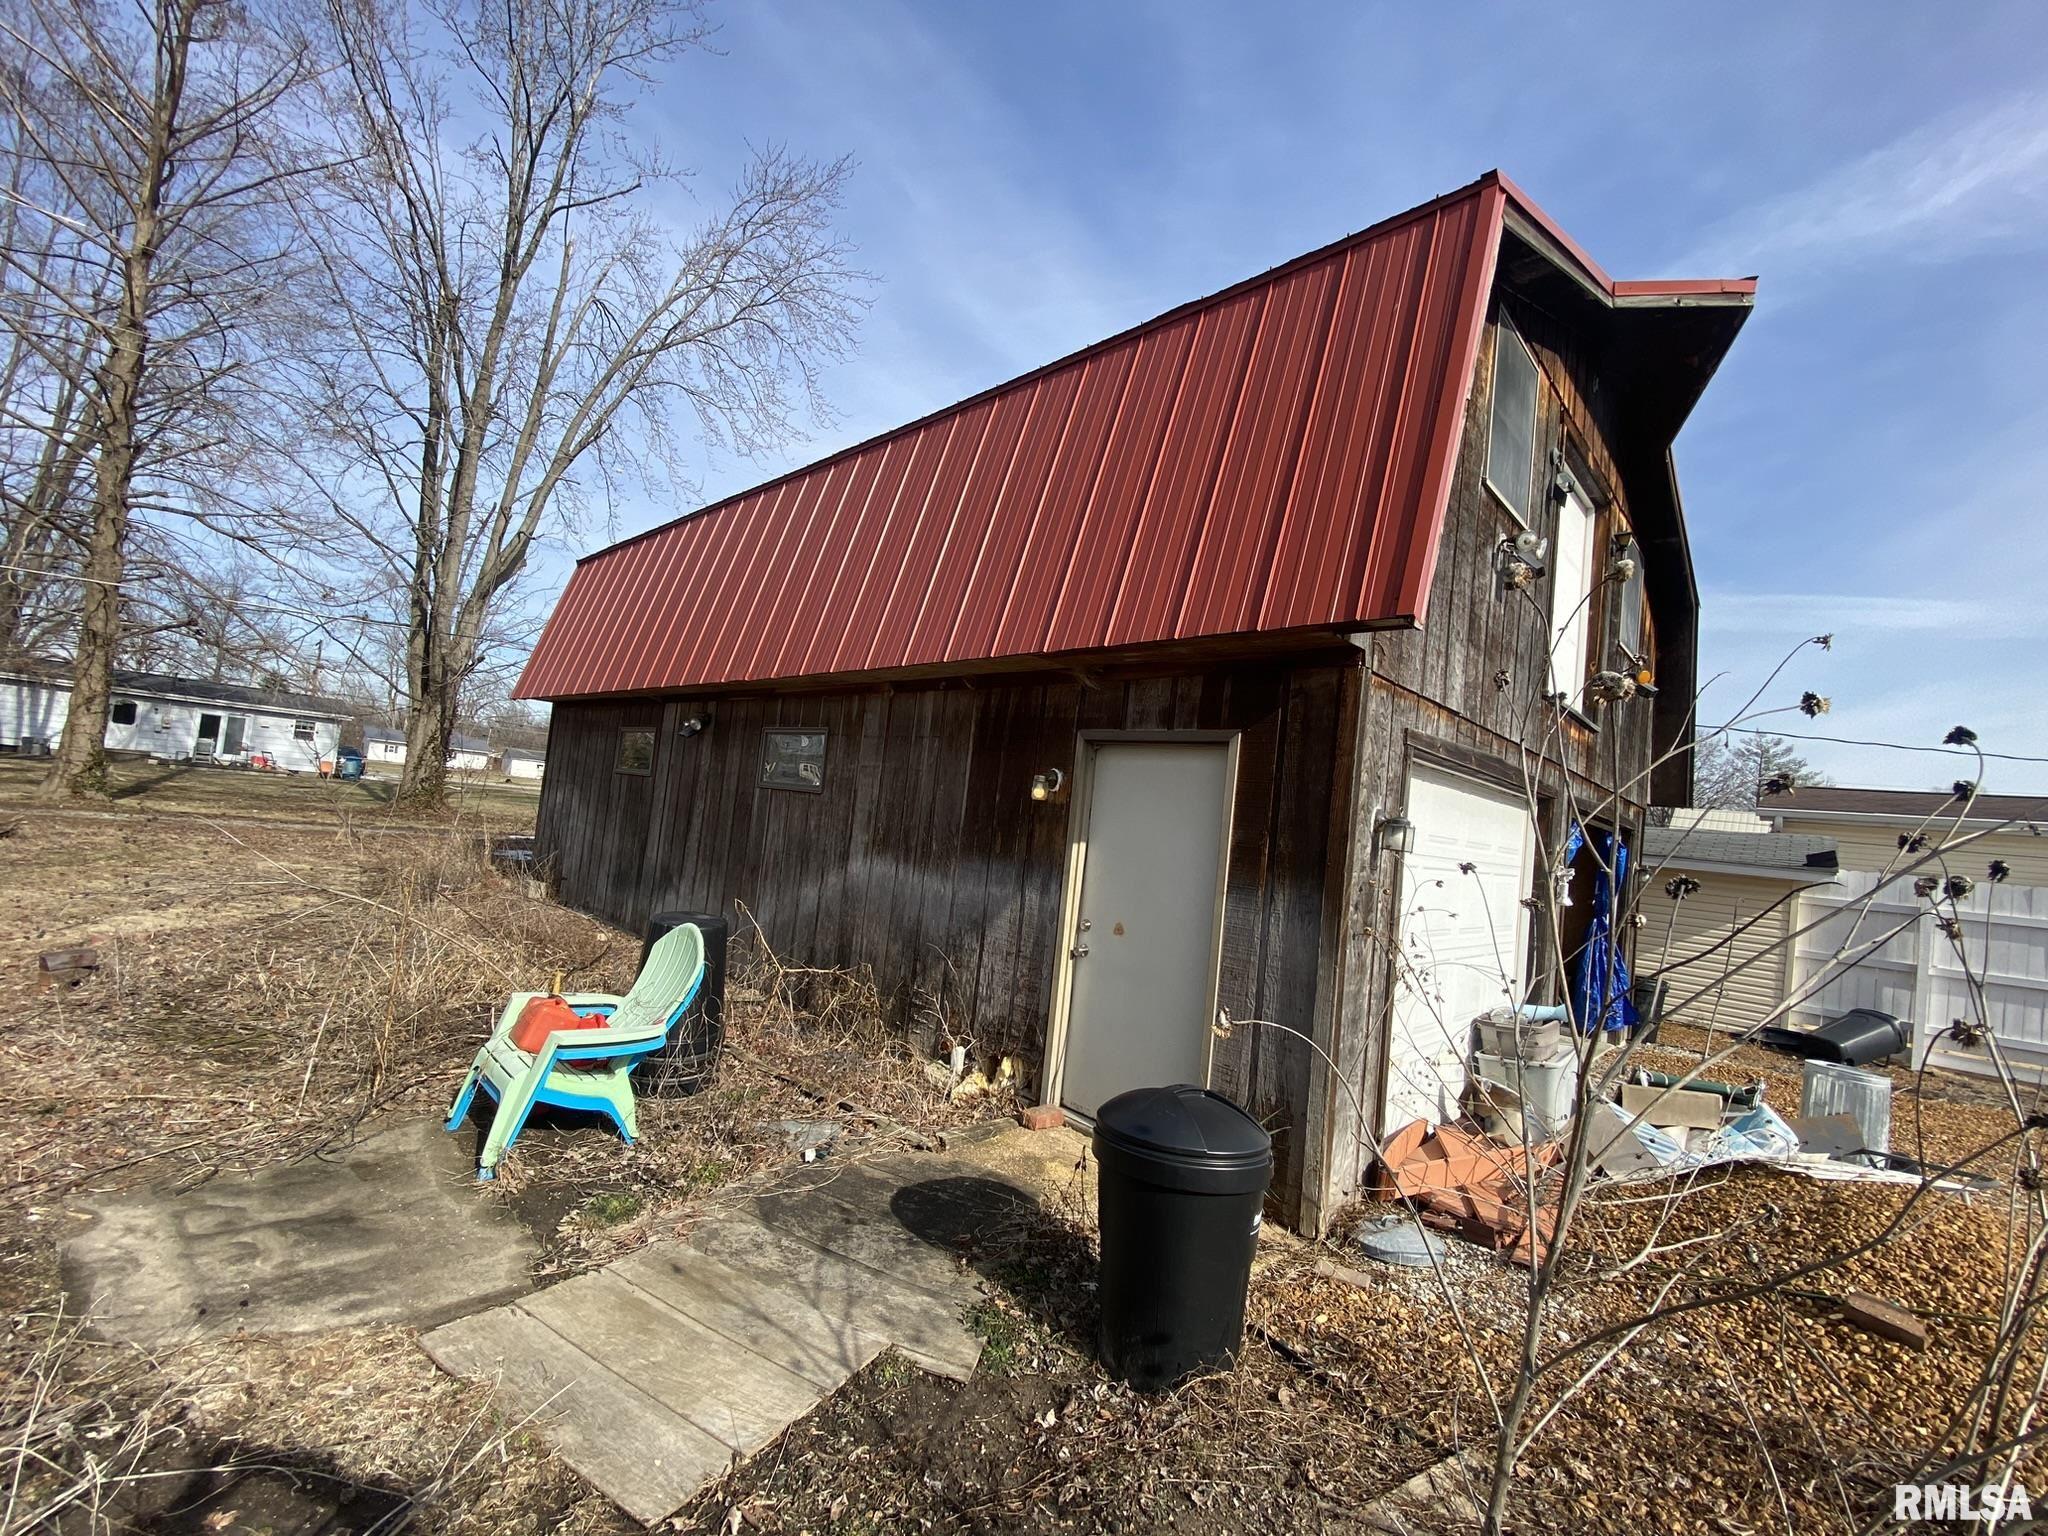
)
(177, 717)
(384, 747)
(523, 764)
(469, 754)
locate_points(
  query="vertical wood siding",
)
(926, 859)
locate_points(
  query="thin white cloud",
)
(1802, 613)
(1971, 180)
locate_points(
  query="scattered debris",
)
(1674, 1108)
(807, 1138)
(1397, 1240)
(68, 967)
(1875, 1315)
(1479, 1188)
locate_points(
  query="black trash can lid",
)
(1184, 1123)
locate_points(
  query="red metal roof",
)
(1275, 456)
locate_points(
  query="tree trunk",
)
(80, 768)
(423, 785)
(81, 765)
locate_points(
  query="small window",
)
(636, 751)
(793, 760)
(123, 712)
(1628, 614)
(1511, 436)
(302, 730)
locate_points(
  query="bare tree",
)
(1732, 769)
(143, 239)
(523, 324)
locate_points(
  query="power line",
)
(1892, 746)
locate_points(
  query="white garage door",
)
(1464, 936)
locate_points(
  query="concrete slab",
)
(739, 1398)
(769, 1321)
(387, 1231)
(645, 1457)
(865, 1230)
(922, 1323)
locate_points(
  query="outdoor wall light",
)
(1047, 784)
(1520, 560)
(693, 726)
(1395, 834)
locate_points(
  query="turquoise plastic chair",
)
(639, 1024)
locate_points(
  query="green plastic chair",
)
(639, 1024)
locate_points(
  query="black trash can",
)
(686, 1058)
(1182, 1182)
(1649, 996)
(1861, 1036)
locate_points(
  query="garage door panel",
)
(1463, 934)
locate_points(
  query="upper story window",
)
(1631, 638)
(1511, 434)
(1572, 560)
(123, 712)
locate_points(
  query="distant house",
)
(383, 746)
(1867, 824)
(176, 717)
(1726, 949)
(521, 764)
(469, 754)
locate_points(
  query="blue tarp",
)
(1600, 990)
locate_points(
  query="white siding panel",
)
(1739, 985)
(1865, 846)
(30, 712)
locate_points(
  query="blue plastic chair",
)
(638, 1026)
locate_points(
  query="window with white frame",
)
(1571, 587)
(123, 712)
(1511, 430)
(302, 730)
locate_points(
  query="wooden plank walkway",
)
(653, 1375)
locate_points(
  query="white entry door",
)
(1464, 936)
(1146, 919)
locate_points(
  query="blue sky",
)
(1872, 460)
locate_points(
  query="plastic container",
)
(1649, 996)
(1182, 1175)
(1860, 1036)
(1546, 1088)
(1826, 1088)
(1504, 1032)
(686, 1056)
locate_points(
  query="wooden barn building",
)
(1109, 697)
